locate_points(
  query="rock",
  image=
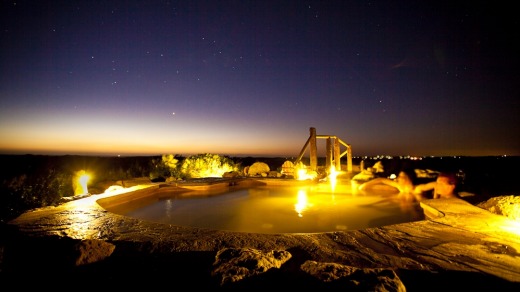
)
(378, 167)
(363, 176)
(355, 278)
(231, 174)
(42, 255)
(288, 168)
(258, 168)
(274, 173)
(76, 197)
(508, 206)
(91, 251)
(235, 264)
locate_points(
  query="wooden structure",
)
(333, 154)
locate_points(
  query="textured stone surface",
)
(258, 168)
(508, 206)
(457, 242)
(91, 251)
(352, 278)
(235, 264)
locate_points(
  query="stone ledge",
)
(466, 241)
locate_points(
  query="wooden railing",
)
(332, 155)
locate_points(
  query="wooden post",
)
(328, 157)
(349, 158)
(333, 152)
(313, 151)
(337, 155)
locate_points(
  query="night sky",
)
(251, 77)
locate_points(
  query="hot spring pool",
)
(273, 209)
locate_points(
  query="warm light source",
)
(79, 182)
(303, 173)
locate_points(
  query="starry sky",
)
(251, 77)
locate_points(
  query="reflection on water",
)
(301, 202)
(276, 210)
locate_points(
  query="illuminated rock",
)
(378, 167)
(236, 264)
(508, 206)
(91, 251)
(288, 168)
(258, 168)
(351, 277)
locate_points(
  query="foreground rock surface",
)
(80, 242)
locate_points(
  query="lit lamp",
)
(79, 182)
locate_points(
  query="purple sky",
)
(251, 77)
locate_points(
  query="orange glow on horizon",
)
(91, 148)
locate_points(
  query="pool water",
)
(276, 210)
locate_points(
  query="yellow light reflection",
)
(117, 189)
(333, 176)
(333, 180)
(82, 221)
(302, 202)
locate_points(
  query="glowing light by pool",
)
(80, 181)
(304, 173)
(83, 180)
